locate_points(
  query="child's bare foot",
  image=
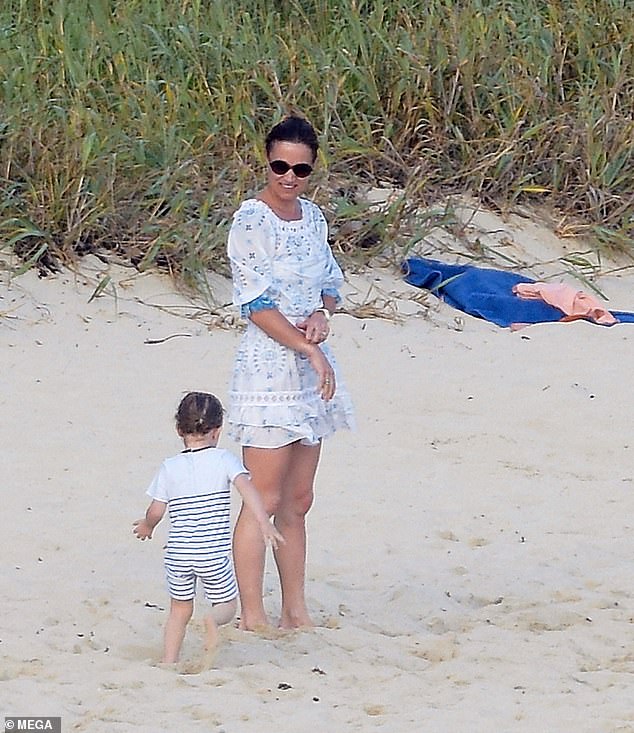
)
(166, 665)
(211, 636)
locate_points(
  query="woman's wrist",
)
(324, 311)
(308, 349)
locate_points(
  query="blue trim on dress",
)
(261, 303)
(333, 293)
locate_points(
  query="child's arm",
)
(143, 528)
(252, 499)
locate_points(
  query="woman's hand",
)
(315, 328)
(325, 373)
(277, 326)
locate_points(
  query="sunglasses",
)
(281, 167)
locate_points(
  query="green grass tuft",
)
(134, 127)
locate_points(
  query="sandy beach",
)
(470, 548)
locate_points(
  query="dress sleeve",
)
(251, 248)
(261, 303)
(333, 293)
(333, 279)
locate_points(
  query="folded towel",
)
(489, 294)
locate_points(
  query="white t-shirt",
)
(196, 486)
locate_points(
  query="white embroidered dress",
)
(274, 396)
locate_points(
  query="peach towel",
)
(574, 303)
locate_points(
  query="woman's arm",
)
(330, 302)
(275, 325)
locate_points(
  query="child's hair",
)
(198, 413)
(293, 129)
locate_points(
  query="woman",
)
(285, 396)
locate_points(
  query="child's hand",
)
(271, 535)
(142, 529)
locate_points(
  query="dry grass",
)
(132, 129)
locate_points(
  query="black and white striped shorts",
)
(216, 576)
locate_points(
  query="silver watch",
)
(325, 311)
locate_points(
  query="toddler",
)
(195, 488)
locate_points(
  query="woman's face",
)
(288, 185)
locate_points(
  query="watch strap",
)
(325, 311)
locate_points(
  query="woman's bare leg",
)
(290, 519)
(268, 467)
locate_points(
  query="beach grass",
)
(132, 129)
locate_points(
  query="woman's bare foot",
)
(296, 620)
(257, 623)
(264, 631)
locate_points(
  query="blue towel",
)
(484, 292)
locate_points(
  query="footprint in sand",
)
(374, 710)
(448, 535)
(438, 651)
(13, 668)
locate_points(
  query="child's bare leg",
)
(180, 614)
(220, 614)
